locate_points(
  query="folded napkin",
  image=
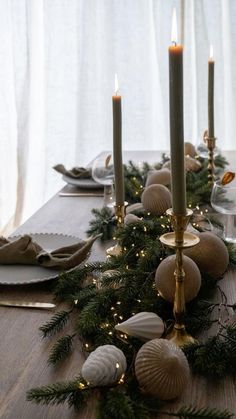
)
(75, 172)
(25, 251)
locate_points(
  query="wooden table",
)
(24, 354)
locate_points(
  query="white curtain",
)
(57, 64)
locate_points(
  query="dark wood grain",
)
(23, 352)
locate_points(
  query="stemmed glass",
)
(223, 200)
(103, 173)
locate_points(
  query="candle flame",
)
(174, 27)
(116, 84)
(211, 52)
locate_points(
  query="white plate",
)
(30, 274)
(82, 183)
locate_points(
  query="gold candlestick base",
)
(179, 240)
(120, 216)
(211, 143)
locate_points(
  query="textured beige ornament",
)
(189, 149)
(191, 165)
(145, 325)
(131, 218)
(162, 369)
(104, 366)
(138, 206)
(210, 254)
(156, 199)
(165, 280)
(162, 177)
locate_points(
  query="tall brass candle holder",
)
(120, 216)
(211, 143)
(179, 240)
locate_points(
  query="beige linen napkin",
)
(25, 251)
(75, 172)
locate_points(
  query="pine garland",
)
(122, 286)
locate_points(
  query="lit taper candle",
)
(178, 181)
(117, 146)
(211, 65)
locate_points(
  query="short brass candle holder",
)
(120, 216)
(211, 143)
(179, 240)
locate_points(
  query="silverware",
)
(80, 194)
(25, 304)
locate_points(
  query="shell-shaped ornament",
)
(162, 369)
(162, 177)
(104, 366)
(138, 206)
(156, 199)
(131, 219)
(145, 326)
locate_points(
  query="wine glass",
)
(223, 200)
(103, 173)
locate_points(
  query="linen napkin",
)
(75, 172)
(25, 251)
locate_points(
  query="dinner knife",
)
(26, 304)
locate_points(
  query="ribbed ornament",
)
(145, 326)
(162, 177)
(156, 199)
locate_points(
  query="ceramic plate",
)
(82, 183)
(30, 274)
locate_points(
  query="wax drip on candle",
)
(174, 36)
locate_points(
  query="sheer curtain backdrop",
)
(58, 60)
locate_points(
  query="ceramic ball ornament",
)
(165, 279)
(162, 177)
(104, 366)
(189, 149)
(162, 369)
(210, 254)
(156, 199)
(131, 219)
(145, 326)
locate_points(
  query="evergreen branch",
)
(61, 349)
(57, 322)
(193, 412)
(75, 393)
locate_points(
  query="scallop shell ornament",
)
(131, 219)
(144, 325)
(138, 206)
(165, 279)
(156, 199)
(189, 149)
(104, 366)
(210, 254)
(162, 369)
(162, 177)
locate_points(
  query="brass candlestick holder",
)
(211, 143)
(179, 240)
(120, 216)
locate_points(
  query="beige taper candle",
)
(117, 146)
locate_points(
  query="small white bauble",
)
(104, 366)
(189, 149)
(165, 279)
(144, 325)
(131, 219)
(162, 177)
(162, 369)
(156, 199)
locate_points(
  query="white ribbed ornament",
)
(145, 325)
(156, 199)
(162, 177)
(104, 366)
(162, 369)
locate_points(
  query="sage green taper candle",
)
(211, 65)
(178, 181)
(117, 147)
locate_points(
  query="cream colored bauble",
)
(162, 177)
(162, 369)
(104, 366)
(144, 325)
(210, 254)
(131, 219)
(156, 199)
(165, 280)
(189, 149)
(138, 206)
(191, 165)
